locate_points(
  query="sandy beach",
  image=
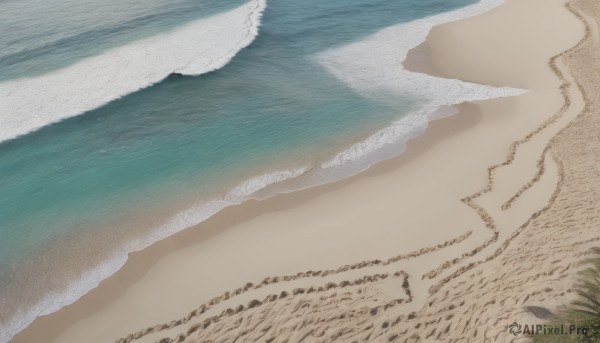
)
(485, 215)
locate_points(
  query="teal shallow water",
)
(75, 193)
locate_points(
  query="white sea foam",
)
(256, 184)
(30, 103)
(199, 47)
(197, 214)
(54, 301)
(374, 68)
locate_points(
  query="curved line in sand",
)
(484, 215)
(541, 168)
(540, 164)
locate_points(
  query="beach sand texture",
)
(471, 251)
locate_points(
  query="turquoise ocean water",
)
(287, 103)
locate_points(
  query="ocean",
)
(103, 151)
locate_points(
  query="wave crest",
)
(193, 49)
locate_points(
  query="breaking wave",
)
(193, 49)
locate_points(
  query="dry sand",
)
(394, 254)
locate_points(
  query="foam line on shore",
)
(58, 299)
(373, 67)
(89, 280)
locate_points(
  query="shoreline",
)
(352, 160)
(141, 263)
